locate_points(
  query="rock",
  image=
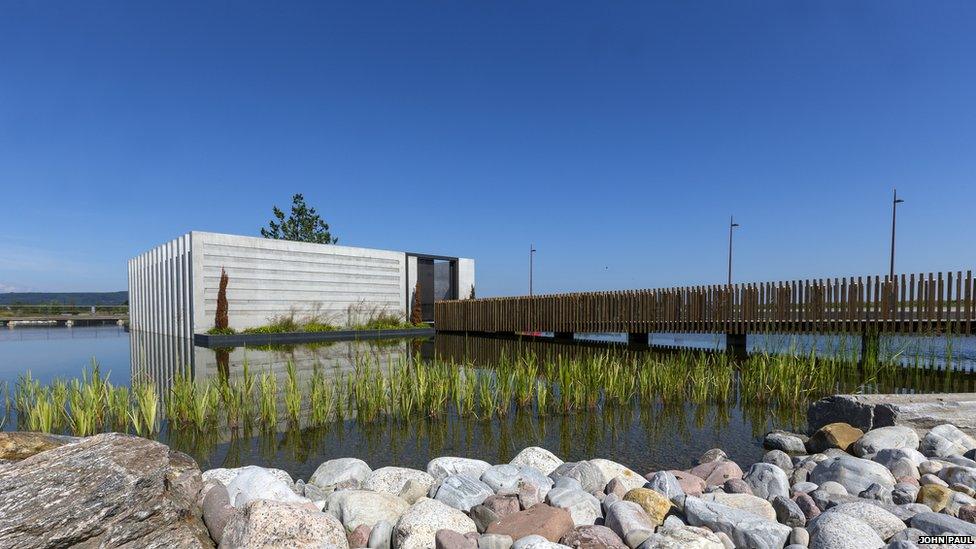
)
(877, 493)
(655, 504)
(788, 512)
(588, 474)
(592, 537)
(356, 508)
(612, 470)
(946, 440)
(334, 471)
(449, 539)
(359, 537)
(217, 510)
(391, 480)
(582, 506)
(664, 483)
(888, 455)
(502, 505)
(443, 467)
(929, 467)
(413, 490)
(785, 441)
(903, 467)
(932, 479)
(226, 476)
(807, 505)
(630, 521)
(506, 479)
(18, 445)
(800, 536)
(683, 537)
(381, 536)
(744, 528)
(617, 487)
(881, 521)
(935, 524)
(834, 435)
(955, 474)
(690, 484)
(494, 541)
(886, 438)
(934, 496)
(108, 490)
(780, 459)
(537, 458)
(549, 522)
(715, 473)
(483, 517)
(768, 481)
(909, 535)
(268, 523)
(736, 486)
(710, 456)
(854, 474)
(463, 492)
(252, 482)
(805, 487)
(418, 525)
(957, 500)
(842, 531)
(967, 513)
(536, 542)
(743, 502)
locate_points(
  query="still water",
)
(646, 438)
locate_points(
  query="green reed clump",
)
(268, 405)
(293, 395)
(144, 412)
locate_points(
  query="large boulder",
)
(614, 470)
(356, 508)
(854, 474)
(782, 440)
(630, 521)
(935, 524)
(587, 473)
(541, 519)
(842, 531)
(583, 507)
(767, 481)
(946, 440)
(266, 523)
(443, 467)
(655, 504)
(18, 445)
(106, 490)
(665, 483)
(537, 458)
(227, 475)
(834, 435)
(744, 528)
(744, 502)
(254, 482)
(881, 521)
(886, 438)
(391, 480)
(506, 479)
(334, 471)
(462, 492)
(418, 525)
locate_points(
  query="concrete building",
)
(173, 287)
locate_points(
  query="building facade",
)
(173, 287)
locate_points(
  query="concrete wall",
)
(173, 287)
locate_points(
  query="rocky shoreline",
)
(839, 488)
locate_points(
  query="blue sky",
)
(617, 137)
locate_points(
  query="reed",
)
(268, 406)
(293, 395)
(144, 413)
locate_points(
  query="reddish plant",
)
(416, 314)
(220, 320)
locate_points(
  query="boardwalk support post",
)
(735, 345)
(637, 339)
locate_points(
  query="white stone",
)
(841, 531)
(886, 438)
(583, 507)
(462, 492)
(334, 471)
(614, 470)
(744, 528)
(538, 458)
(391, 480)
(629, 521)
(358, 507)
(254, 482)
(854, 474)
(683, 537)
(767, 481)
(946, 440)
(273, 524)
(881, 521)
(443, 467)
(744, 502)
(417, 526)
(226, 475)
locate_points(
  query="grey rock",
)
(744, 502)
(842, 531)
(887, 456)
(854, 474)
(800, 475)
(268, 523)
(356, 508)
(877, 492)
(463, 492)
(955, 474)
(483, 516)
(787, 442)
(449, 539)
(505, 479)
(799, 537)
(664, 483)
(629, 521)
(588, 474)
(495, 541)
(217, 510)
(443, 467)
(805, 487)
(391, 480)
(107, 490)
(683, 537)
(614, 470)
(715, 454)
(334, 471)
(881, 521)
(901, 544)
(584, 508)
(903, 467)
(253, 482)
(932, 479)
(418, 525)
(744, 528)
(593, 537)
(788, 512)
(908, 534)
(381, 535)
(886, 438)
(535, 542)
(537, 458)
(904, 493)
(415, 489)
(780, 459)
(737, 486)
(767, 481)
(946, 440)
(935, 524)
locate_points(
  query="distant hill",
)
(64, 298)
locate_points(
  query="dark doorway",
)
(438, 281)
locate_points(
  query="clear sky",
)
(617, 137)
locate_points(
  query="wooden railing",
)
(932, 303)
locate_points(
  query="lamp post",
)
(732, 225)
(531, 254)
(895, 201)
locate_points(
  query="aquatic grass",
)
(144, 413)
(293, 394)
(268, 395)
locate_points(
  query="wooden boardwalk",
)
(913, 303)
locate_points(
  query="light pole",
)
(531, 254)
(732, 225)
(895, 201)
